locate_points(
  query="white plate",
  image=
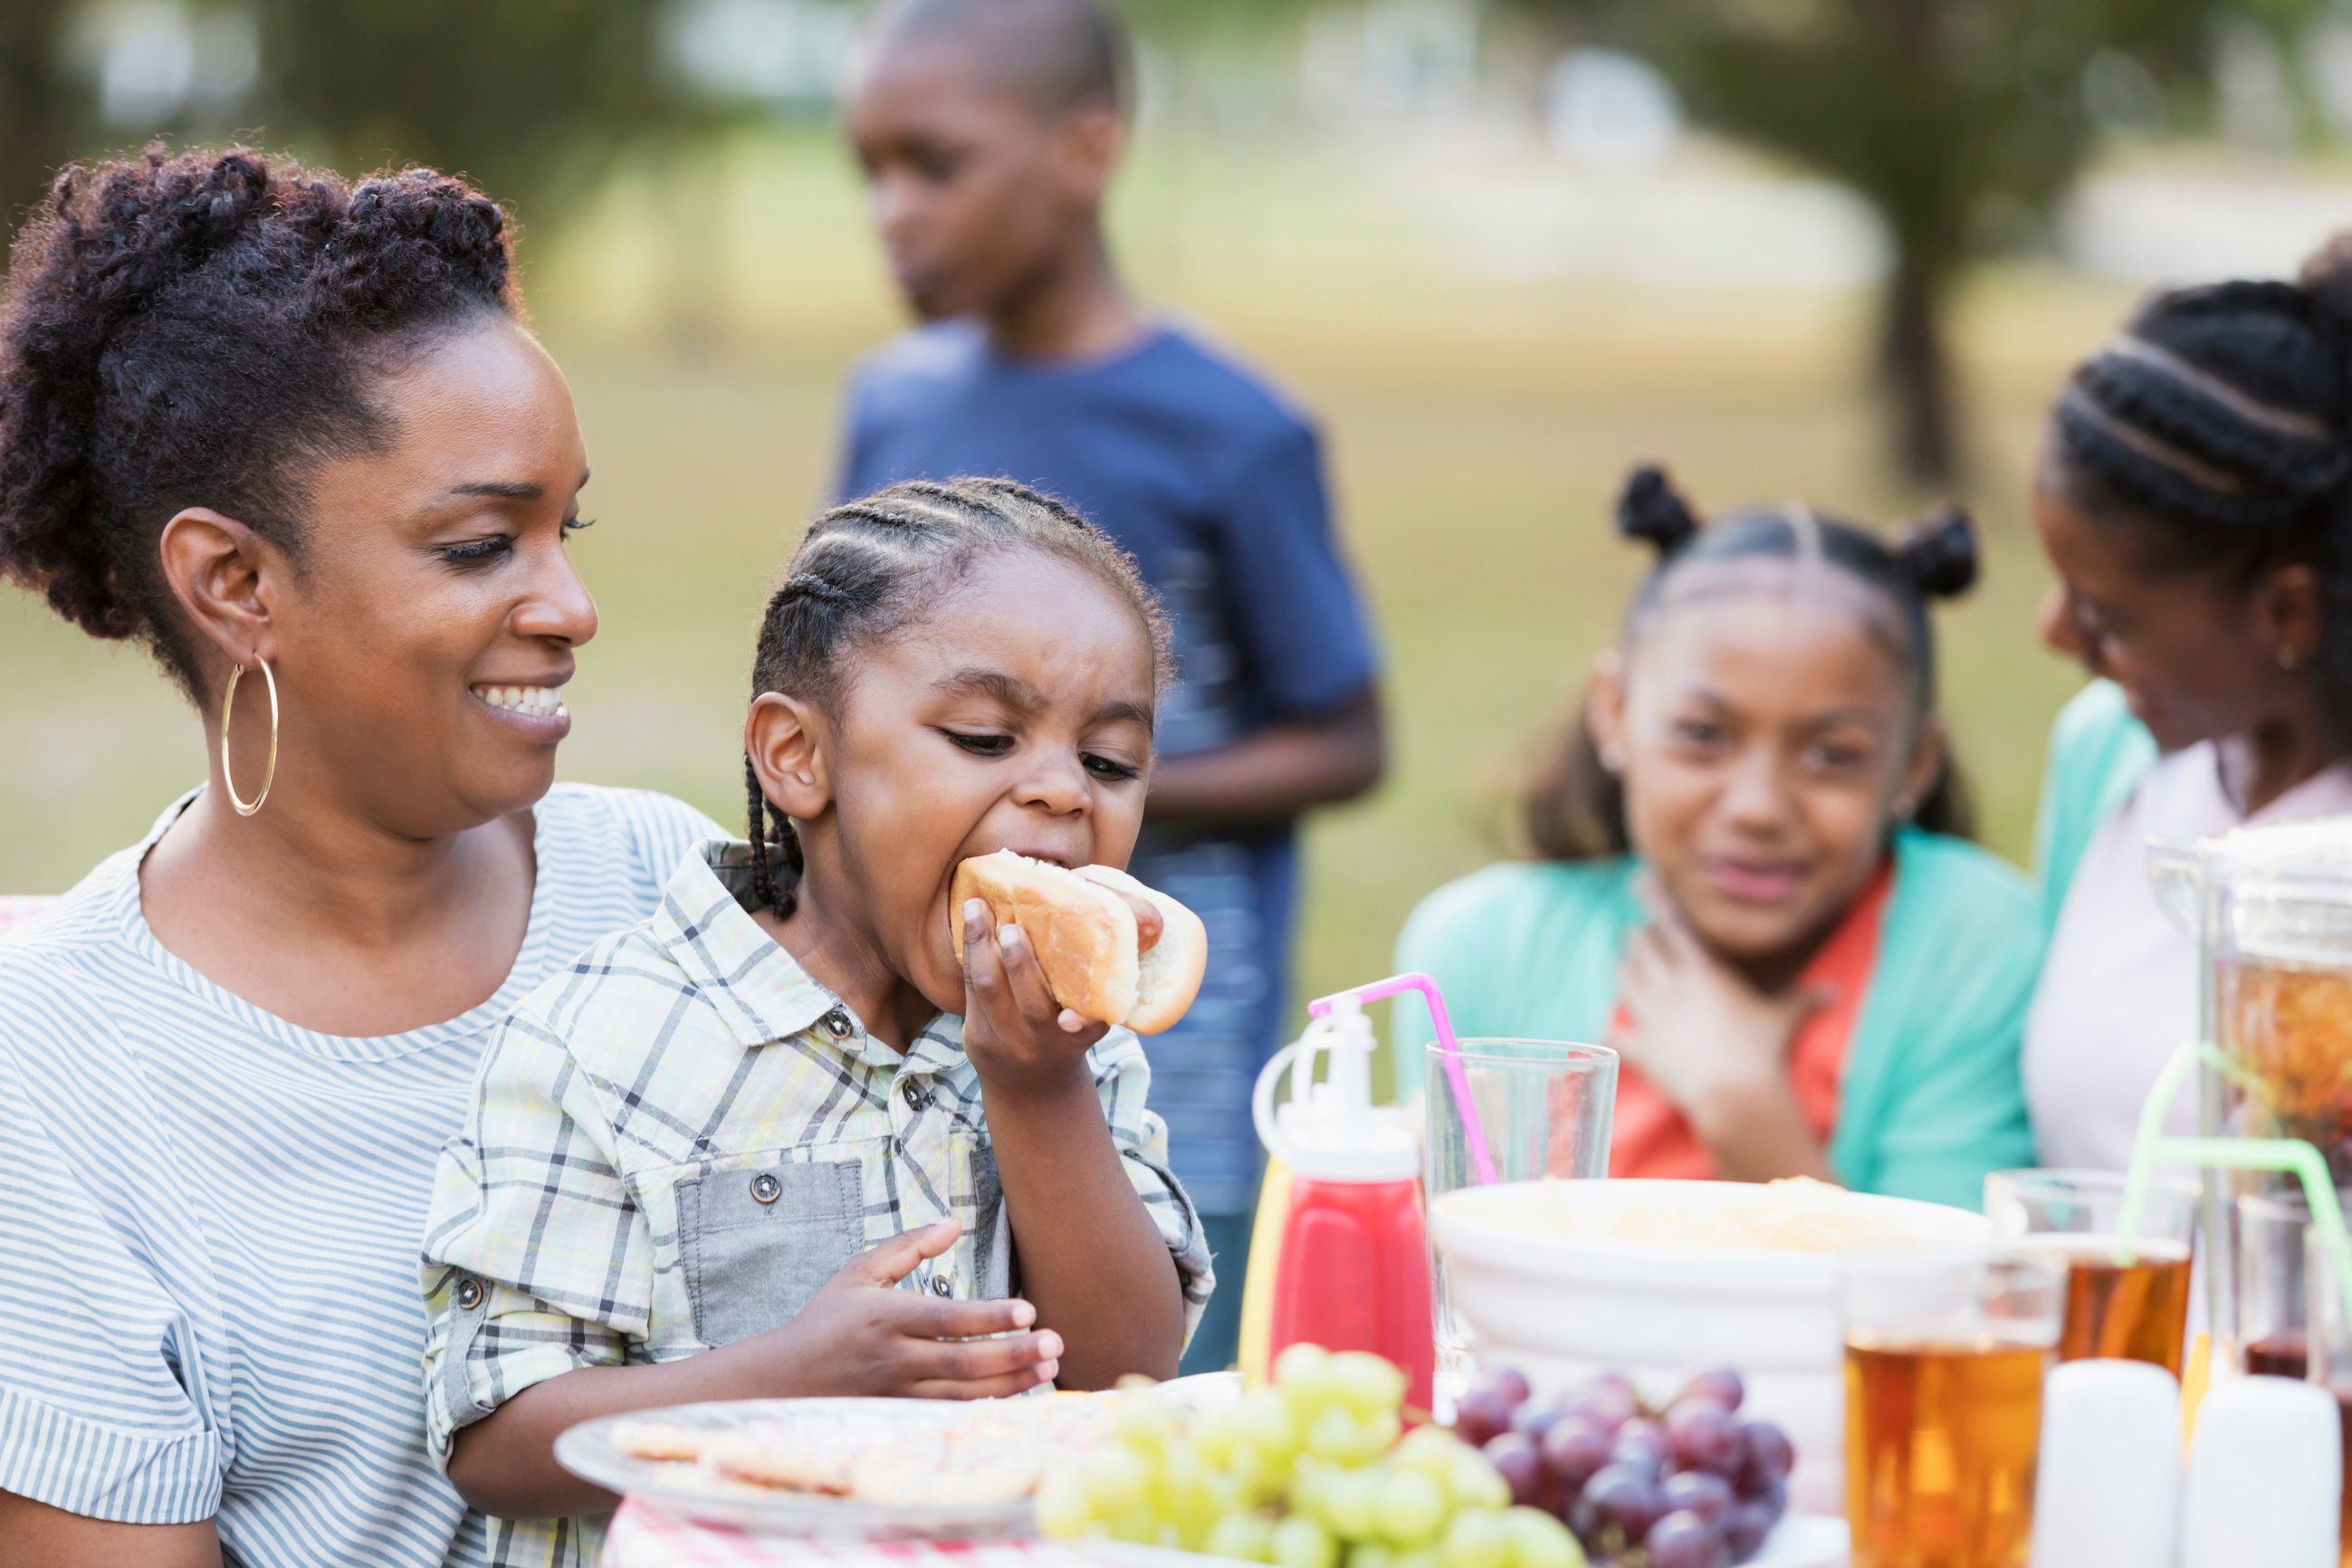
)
(589, 1452)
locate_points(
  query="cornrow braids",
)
(203, 328)
(2216, 429)
(866, 570)
(1574, 807)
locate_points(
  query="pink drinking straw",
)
(1448, 1052)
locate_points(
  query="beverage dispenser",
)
(2270, 910)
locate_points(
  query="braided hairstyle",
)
(2216, 430)
(1574, 808)
(866, 570)
(203, 329)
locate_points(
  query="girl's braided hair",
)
(202, 330)
(2217, 429)
(866, 570)
(1575, 807)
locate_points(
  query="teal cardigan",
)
(1931, 1099)
(2098, 755)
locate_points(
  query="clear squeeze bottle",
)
(1353, 1269)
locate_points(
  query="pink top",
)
(2118, 992)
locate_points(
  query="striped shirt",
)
(208, 1235)
(680, 1139)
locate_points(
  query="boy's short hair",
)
(1059, 54)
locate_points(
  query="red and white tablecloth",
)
(644, 1535)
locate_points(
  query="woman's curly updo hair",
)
(1575, 806)
(202, 330)
(871, 567)
(2215, 433)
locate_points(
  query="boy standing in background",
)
(989, 131)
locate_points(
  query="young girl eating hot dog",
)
(1752, 879)
(780, 1139)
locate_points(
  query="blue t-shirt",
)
(1215, 484)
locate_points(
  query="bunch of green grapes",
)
(1314, 1471)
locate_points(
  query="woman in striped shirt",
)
(289, 435)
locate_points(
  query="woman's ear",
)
(1920, 776)
(785, 738)
(1091, 142)
(227, 580)
(2291, 609)
(1604, 709)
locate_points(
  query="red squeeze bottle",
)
(1353, 1269)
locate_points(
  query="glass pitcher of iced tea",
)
(2270, 910)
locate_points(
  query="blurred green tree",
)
(1962, 123)
(532, 98)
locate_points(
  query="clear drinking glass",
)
(1945, 1354)
(1544, 1107)
(2274, 1303)
(2330, 1341)
(2137, 1310)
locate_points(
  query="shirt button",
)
(837, 1024)
(765, 1188)
(469, 1294)
(919, 1097)
(940, 1285)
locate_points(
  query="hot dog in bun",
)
(1086, 936)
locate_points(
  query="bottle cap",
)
(1331, 1130)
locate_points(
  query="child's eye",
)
(980, 746)
(478, 550)
(1110, 768)
(1697, 732)
(575, 524)
(1835, 759)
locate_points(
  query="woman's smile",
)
(536, 710)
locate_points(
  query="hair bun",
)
(1649, 508)
(1939, 554)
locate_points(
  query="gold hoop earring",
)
(270, 773)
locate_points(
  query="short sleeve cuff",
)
(114, 1473)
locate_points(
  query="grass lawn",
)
(1477, 428)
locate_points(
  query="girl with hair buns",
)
(1751, 874)
(287, 432)
(2194, 497)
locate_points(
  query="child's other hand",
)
(858, 1335)
(1018, 1036)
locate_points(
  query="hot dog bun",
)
(1168, 973)
(1085, 938)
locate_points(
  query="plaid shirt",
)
(678, 1139)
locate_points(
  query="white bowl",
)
(1537, 1286)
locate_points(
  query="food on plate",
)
(1087, 939)
(1687, 1484)
(990, 1451)
(658, 1440)
(1314, 1471)
(1795, 1214)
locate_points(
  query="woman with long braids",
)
(290, 433)
(2195, 498)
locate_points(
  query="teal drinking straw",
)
(2293, 1155)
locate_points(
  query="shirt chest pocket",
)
(757, 1244)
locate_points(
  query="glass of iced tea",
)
(1944, 1355)
(2132, 1308)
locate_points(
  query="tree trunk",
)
(1915, 369)
(36, 129)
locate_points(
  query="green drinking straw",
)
(2293, 1155)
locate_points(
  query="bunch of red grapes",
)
(1689, 1485)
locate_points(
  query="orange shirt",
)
(1649, 1138)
